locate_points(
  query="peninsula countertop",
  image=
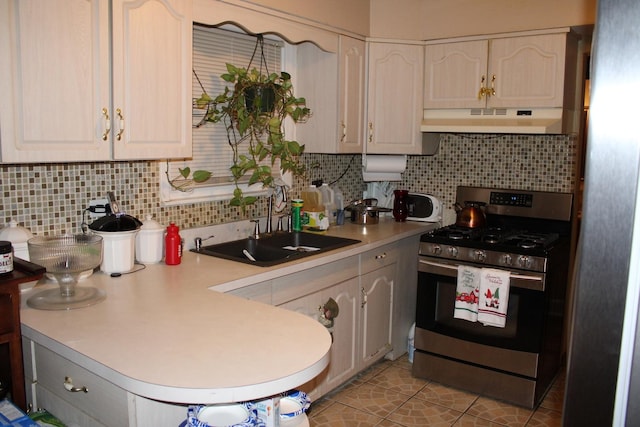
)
(170, 333)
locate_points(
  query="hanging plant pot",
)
(260, 98)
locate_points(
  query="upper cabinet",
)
(333, 85)
(82, 87)
(394, 103)
(504, 72)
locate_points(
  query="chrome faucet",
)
(256, 229)
(269, 229)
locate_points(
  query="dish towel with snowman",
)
(494, 297)
(467, 290)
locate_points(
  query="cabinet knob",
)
(482, 91)
(68, 385)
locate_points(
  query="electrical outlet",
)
(98, 208)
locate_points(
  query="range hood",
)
(480, 120)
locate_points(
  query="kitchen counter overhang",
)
(164, 334)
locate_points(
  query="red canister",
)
(172, 245)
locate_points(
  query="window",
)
(213, 48)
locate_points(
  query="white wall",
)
(435, 19)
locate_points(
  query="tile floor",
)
(386, 395)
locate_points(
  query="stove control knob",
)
(480, 256)
(506, 259)
(436, 249)
(453, 251)
(524, 261)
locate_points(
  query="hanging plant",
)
(253, 109)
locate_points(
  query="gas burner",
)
(527, 244)
(456, 235)
(491, 238)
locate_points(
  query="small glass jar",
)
(6, 257)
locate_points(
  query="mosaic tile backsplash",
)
(51, 198)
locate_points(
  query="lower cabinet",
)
(363, 288)
(81, 398)
(376, 303)
(344, 333)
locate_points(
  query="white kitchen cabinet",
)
(504, 72)
(95, 80)
(81, 398)
(394, 100)
(333, 85)
(344, 333)
(378, 269)
(376, 293)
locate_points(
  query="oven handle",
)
(535, 283)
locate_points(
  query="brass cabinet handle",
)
(107, 124)
(483, 90)
(68, 385)
(383, 255)
(370, 132)
(121, 121)
(344, 131)
(492, 91)
(364, 297)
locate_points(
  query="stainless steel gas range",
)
(526, 236)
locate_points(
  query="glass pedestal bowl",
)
(66, 257)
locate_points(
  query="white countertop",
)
(166, 334)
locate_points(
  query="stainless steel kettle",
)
(471, 215)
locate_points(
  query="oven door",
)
(525, 315)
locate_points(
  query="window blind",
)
(213, 48)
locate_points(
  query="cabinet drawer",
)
(66, 412)
(377, 258)
(297, 285)
(104, 401)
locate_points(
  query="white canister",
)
(118, 251)
(150, 241)
(18, 237)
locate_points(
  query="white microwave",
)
(424, 207)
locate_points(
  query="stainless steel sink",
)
(275, 249)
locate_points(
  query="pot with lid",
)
(366, 211)
(471, 215)
(118, 231)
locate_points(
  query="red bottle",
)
(172, 245)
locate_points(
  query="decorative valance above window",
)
(265, 21)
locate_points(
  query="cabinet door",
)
(351, 95)
(376, 303)
(316, 80)
(344, 348)
(152, 44)
(529, 71)
(54, 80)
(454, 74)
(394, 104)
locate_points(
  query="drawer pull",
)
(68, 385)
(382, 256)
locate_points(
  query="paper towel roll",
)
(383, 167)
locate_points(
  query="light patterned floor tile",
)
(500, 412)
(469, 421)
(419, 413)
(403, 362)
(373, 399)
(319, 406)
(387, 423)
(375, 370)
(400, 380)
(339, 415)
(545, 418)
(554, 398)
(447, 396)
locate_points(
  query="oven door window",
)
(525, 315)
